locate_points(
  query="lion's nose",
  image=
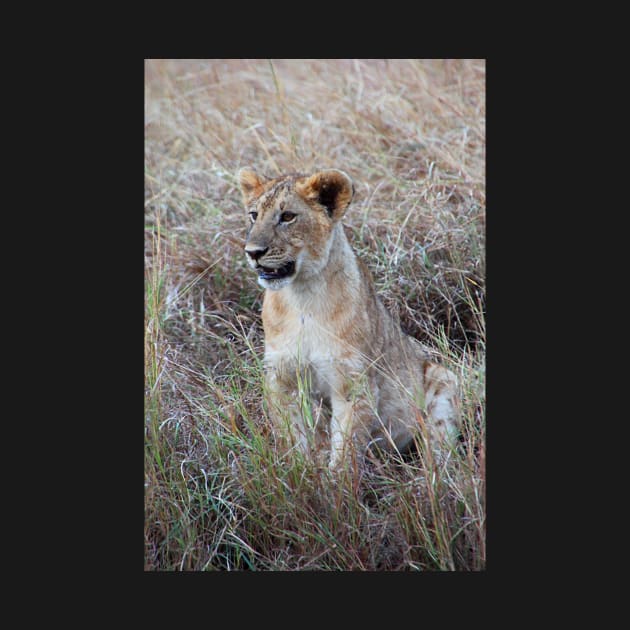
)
(256, 252)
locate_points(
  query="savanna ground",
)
(411, 134)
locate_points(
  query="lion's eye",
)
(287, 217)
(253, 216)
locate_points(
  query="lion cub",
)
(328, 339)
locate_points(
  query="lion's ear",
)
(332, 189)
(251, 184)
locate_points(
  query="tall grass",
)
(219, 495)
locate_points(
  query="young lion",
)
(327, 333)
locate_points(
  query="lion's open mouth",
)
(266, 273)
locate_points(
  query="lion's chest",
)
(302, 345)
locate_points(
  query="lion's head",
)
(291, 220)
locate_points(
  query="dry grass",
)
(411, 134)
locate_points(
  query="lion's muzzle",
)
(267, 273)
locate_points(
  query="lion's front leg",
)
(285, 404)
(351, 422)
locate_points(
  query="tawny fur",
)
(329, 342)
